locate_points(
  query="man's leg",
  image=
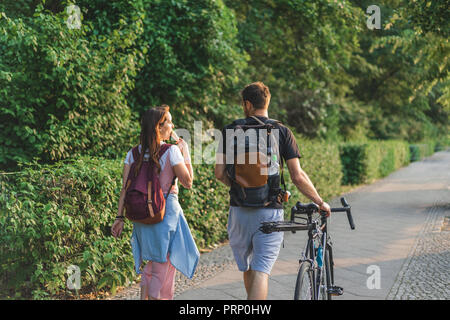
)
(247, 281)
(256, 284)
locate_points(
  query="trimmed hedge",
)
(321, 161)
(421, 150)
(367, 161)
(60, 215)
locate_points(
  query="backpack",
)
(255, 169)
(144, 199)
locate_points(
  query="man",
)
(256, 252)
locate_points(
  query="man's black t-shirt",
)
(288, 148)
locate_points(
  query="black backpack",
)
(253, 163)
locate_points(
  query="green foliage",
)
(66, 93)
(352, 157)
(62, 96)
(322, 163)
(302, 51)
(192, 61)
(414, 150)
(421, 150)
(56, 216)
(406, 78)
(442, 143)
(364, 162)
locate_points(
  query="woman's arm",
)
(184, 170)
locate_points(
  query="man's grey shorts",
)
(252, 248)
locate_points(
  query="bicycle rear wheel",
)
(304, 287)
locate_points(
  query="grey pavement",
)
(400, 232)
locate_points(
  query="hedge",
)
(364, 162)
(62, 93)
(56, 216)
(321, 161)
(421, 150)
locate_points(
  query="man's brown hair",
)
(257, 93)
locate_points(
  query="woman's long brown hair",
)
(150, 138)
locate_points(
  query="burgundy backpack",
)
(144, 199)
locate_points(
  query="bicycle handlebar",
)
(349, 213)
(310, 208)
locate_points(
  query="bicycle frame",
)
(309, 253)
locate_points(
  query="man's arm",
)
(219, 170)
(304, 184)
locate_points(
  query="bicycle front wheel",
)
(304, 287)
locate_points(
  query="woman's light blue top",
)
(172, 235)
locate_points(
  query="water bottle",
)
(274, 166)
(319, 257)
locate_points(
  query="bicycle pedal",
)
(335, 291)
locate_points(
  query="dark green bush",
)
(62, 95)
(414, 151)
(423, 149)
(366, 161)
(353, 166)
(321, 161)
(56, 216)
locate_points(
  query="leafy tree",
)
(302, 50)
(409, 64)
(192, 61)
(62, 93)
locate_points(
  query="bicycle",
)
(315, 279)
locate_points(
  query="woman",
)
(167, 245)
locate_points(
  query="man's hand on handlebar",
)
(325, 207)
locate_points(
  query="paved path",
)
(400, 230)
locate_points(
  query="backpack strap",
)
(135, 152)
(164, 148)
(171, 186)
(257, 120)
